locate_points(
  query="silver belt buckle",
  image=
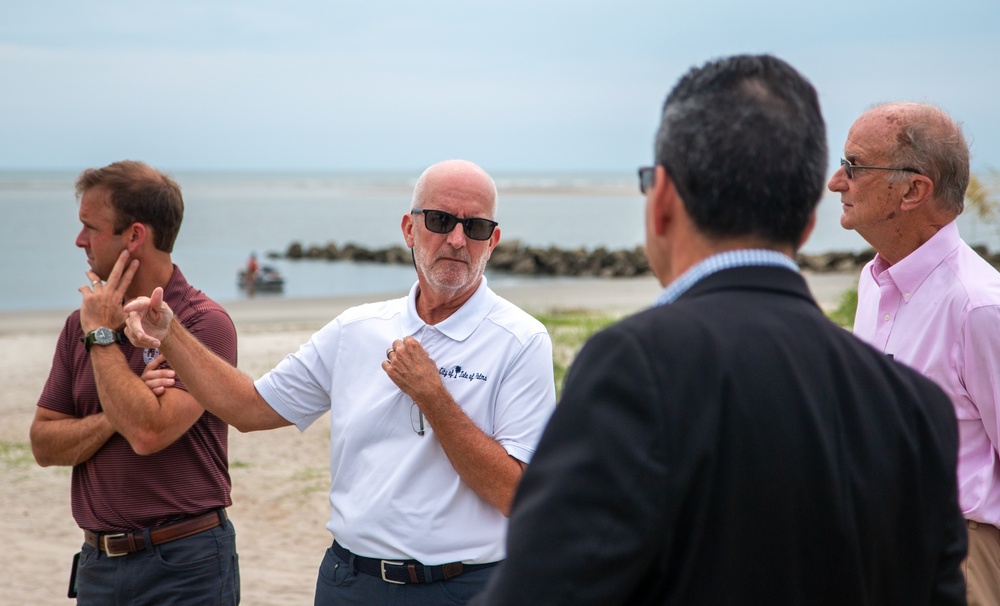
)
(107, 549)
(391, 563)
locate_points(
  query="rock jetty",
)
(517, 258)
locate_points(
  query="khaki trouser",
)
(982, 566)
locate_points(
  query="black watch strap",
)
(100, 336)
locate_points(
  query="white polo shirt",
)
(393, 493)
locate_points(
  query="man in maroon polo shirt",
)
(150, 480)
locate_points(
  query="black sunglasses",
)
(647, 178)
(849, 168)
(441, 222)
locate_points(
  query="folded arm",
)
(148, 422)
(61, 439)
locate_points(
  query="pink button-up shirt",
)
(938, 310)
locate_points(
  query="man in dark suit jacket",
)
(731, 445)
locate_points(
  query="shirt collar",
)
(718, 262)
(910, 272)
(460, 325)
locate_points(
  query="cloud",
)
(525, 85)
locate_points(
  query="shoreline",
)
(280, 477)
(624, 295)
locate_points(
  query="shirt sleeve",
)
(980, 360)
(299, 387)
(526, 399)
(57, 395)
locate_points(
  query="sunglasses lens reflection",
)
(441, 222)
(478, 229)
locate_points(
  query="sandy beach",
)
(279, 477)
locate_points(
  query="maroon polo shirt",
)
(116, 489)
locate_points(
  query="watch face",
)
(104, 336)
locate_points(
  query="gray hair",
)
(930, 142)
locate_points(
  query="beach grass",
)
(16, 454)
(844, 313)
(312, 480)
(569, 329)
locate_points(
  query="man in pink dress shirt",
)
(928, 299)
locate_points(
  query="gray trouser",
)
(200, 569)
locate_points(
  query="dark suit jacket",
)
(736, 447)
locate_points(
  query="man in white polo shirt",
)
(437, 401)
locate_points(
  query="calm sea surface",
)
(228, 216)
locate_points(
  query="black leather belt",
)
(403, 572)
(124, 543)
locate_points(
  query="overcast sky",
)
(514, 85)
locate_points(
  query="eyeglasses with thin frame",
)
(647, 178)
(849, 168)
(417, 420)
(441, 222)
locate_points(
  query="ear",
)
(664, 202)
(921, 189)
(494, 240)
(407, 226)
(135, 236)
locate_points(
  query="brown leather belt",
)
(124, 543)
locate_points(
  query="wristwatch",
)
(101, 336)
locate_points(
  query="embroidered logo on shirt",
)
(148, 355)
(459, 373)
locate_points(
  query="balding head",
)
(460, 174)
(925, 138)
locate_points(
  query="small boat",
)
(268, 278)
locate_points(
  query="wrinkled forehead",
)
(465, 195)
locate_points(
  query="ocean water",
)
(230, 215)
